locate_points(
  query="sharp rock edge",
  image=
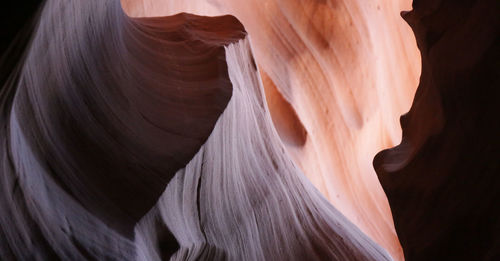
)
(97, 126)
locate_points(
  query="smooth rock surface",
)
(339, 75)
(105, 112)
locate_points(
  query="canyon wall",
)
(442, 181)
(107, 114)
(147, 130)
(337, 74)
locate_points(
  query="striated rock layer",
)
(160, 137)
(242, 198)
(107, 114)
(95, 124)
(443, 180)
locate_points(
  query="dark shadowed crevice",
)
(442, 180)
(286, 121)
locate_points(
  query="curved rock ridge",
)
(242, 197)
(443, 180)
(95, 122)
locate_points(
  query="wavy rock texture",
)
(338, 74)
(442, 181)
(97, 125)
(107, 110)
(242, 197)
(161, 137)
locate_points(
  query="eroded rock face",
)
(154, 138)
(107, 110)
(338, 74)
(243, 198)
(102, 113)
(442, 181)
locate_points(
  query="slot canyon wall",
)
(147, 130)
(442, 181)
(337, 75)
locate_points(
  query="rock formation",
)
(107, 110)
(168, 130)
(442, 181)
(338, 74)
(242, 197)
(96, 125)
